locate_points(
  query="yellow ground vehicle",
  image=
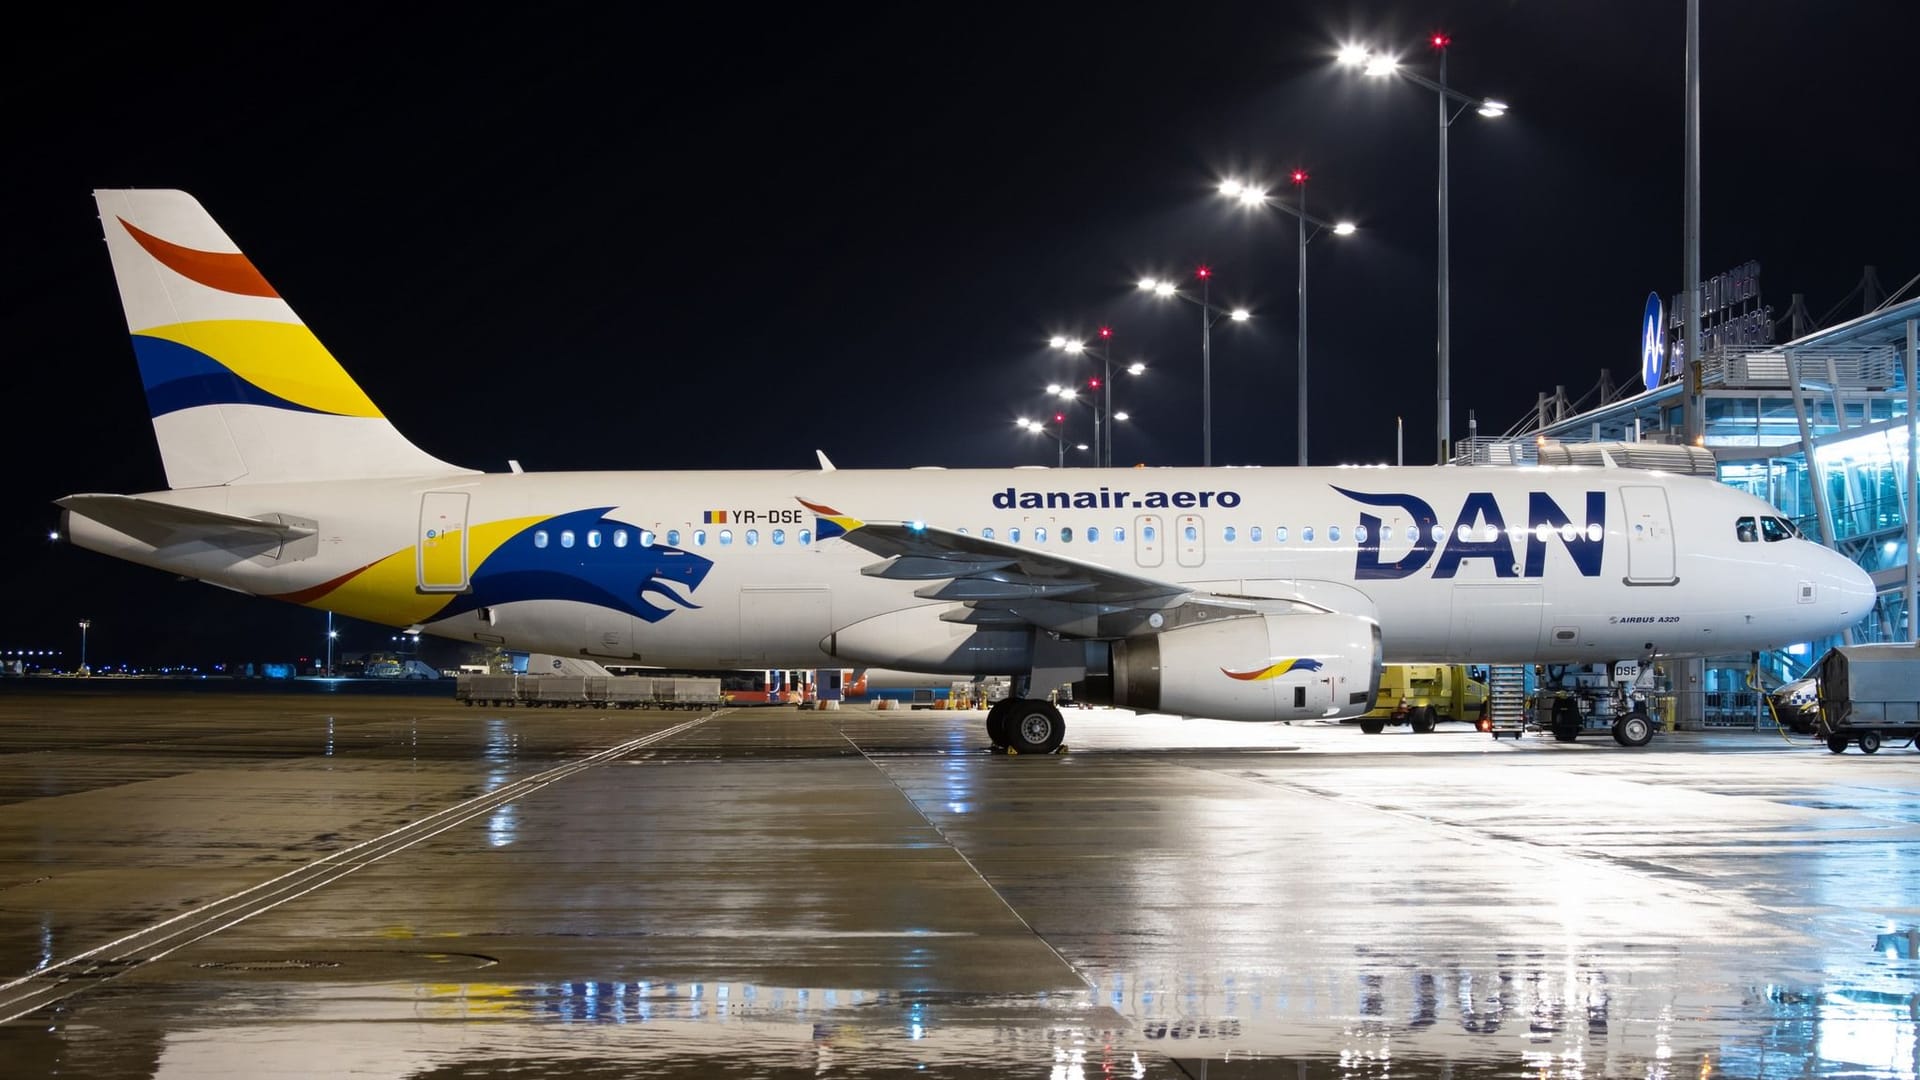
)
(1422, 695)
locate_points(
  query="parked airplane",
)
(1240, 594)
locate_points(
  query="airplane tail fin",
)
(240, 391)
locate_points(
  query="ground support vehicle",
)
(1868, 694)
(1422, 695)
(589, 691)
(486, 689)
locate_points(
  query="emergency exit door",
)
(442, 542)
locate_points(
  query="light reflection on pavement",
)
(867, 893)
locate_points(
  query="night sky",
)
(725, 238)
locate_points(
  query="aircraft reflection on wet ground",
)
(775, 893)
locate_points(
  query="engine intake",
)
(1254, 668)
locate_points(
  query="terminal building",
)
(1819, 421)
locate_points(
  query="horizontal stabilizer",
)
(163, 524)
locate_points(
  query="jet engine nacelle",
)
(1255, 667)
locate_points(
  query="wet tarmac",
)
(241, 885)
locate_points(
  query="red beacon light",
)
(1059, 418)
(1203, 273)
(1106, 332)
(1093, 383)
(1299, 176)
(1441, 41)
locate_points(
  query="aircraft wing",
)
(163, 524)
(1005, 585)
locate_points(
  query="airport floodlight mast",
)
(1252, 197)
(1102, 442)
(1451, 104)
(1059, 436)
(1209, 315)
(85, 625)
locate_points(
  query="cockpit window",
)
(1749, 533)
(1775, 529)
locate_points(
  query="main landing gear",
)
(1020, 726)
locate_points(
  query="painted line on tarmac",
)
(64, 978)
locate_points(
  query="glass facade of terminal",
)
(1853, 407)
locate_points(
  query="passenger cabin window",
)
(1228, 534)
(1093, 534)
(1253, 534)
(620, 538)
(540, 538)
(699, 538)
(1066, 534)
(646, 538)
(1279, 534)
(779, 537)
(1333, 534)
(987, 533)
(1192, 534)
(1040, 535)
(1119, 534)
(673, 538)
(726, 537)
(593, 538)
(753, 537)
(1306, 535)
(1146, 533)
(1013, 535)
(806, 537)
(566, 538)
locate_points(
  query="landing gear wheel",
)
(1633, 729)
(997, 723)
(1566, 720)
(1373, 727)
(1034, 727)
(1869, 742)
(1420, 718)
(1837, 743)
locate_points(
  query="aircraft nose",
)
(1852, 591)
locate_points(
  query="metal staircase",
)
(1507, 699)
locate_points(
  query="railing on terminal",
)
(1667, 457)
(1823, 367)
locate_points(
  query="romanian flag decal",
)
(716, 517)
(1273, 671)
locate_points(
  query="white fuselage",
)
(1456, 564)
